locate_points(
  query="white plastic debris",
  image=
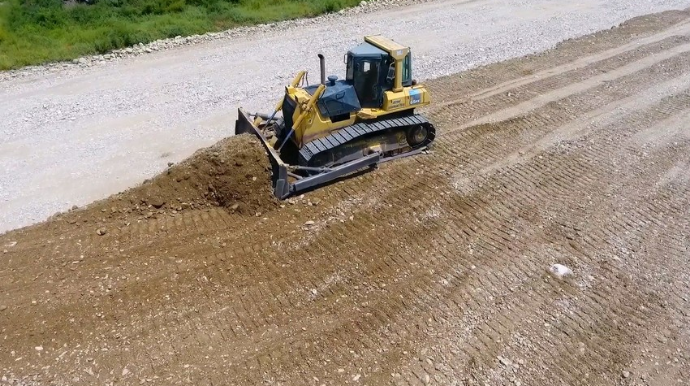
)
(560, 271)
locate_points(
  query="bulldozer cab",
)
(372, 71)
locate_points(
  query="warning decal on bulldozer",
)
(415, 97)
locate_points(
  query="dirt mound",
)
(234, 173)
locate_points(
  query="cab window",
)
(407, 69)
(366, 82)
(350, 68)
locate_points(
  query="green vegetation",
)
(39, 31)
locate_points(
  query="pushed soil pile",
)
(234, 173)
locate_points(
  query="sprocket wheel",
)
(417, 135)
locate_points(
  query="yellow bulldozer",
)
(338, 127)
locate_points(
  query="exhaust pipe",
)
(322, 62)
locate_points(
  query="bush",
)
(38, 31)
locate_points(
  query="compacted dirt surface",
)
(434, 269)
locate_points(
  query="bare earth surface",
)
(77, 134)
(430, 270)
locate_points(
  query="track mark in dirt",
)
(500, 330)
(594, 81)
(682, 29)
(474, 154)
(672, 129)
(601, 117)
(676, 175)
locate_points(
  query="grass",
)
(41, 31)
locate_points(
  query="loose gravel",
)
(79, 131)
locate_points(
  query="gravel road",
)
(87, 130)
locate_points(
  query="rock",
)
(3, 308)
(356, 377)
(39, 348)
(626, 374)
(362, 3)
(560, 271)
(101, 231)
(309, 223)
(234, 207)
(125, 371)
(157, 203)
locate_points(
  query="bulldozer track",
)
(432, 269)
(352, 134)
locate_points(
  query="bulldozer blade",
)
(332, 174)
(281, 186)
